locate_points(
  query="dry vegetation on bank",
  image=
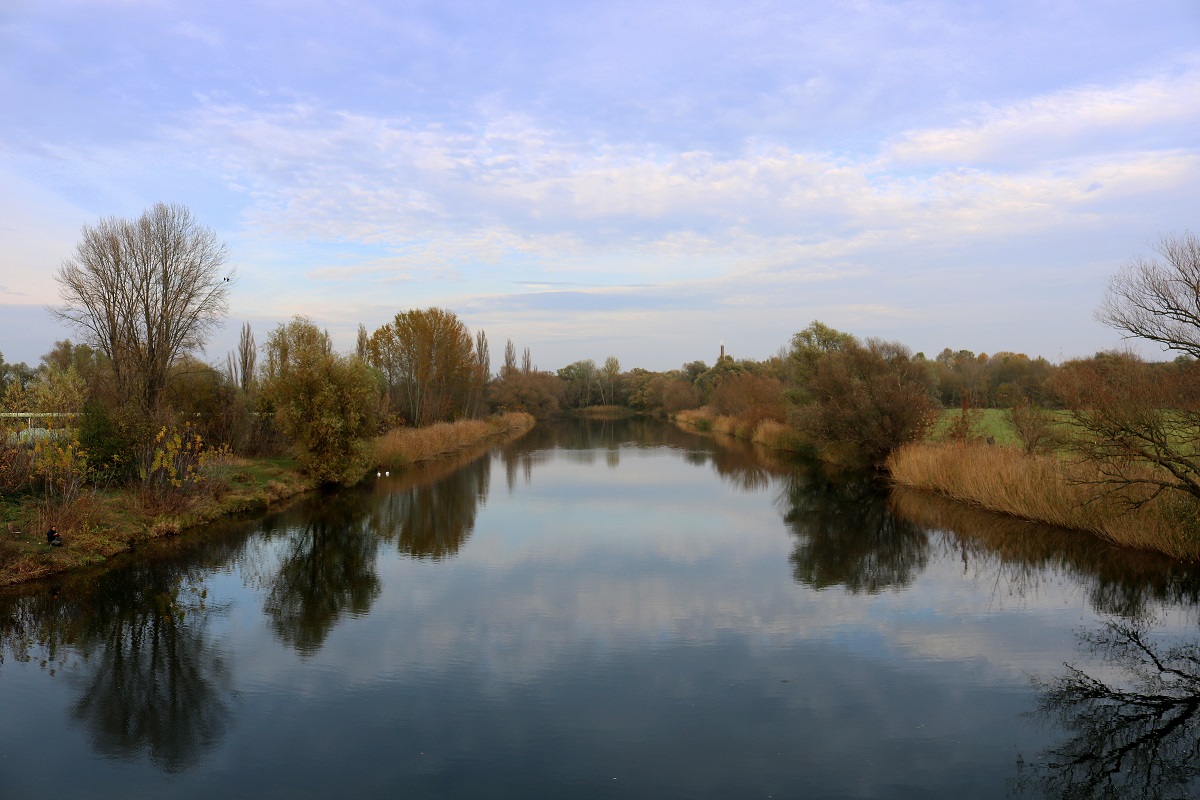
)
(766, 432)
(1050, 489)
(403, 446)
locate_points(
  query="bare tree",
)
(1158, 299)
(145, 292)
(1140, 423)
(1137, 423)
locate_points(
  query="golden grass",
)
(1048, 489)
(403, 446)
(768, 433)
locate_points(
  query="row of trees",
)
(145, 294)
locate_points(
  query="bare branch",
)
(145, 292)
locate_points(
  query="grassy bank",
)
(1051, 490)
(101, 524)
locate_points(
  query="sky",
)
(644, 179)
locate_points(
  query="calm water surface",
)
(608, 610)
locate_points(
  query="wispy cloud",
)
(1144, 114)
(628, 169)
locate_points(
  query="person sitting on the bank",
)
(53, 538)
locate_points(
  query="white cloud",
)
(1063, 124)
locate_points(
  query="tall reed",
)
(1049, 489)
(766, 432)
(403, 446)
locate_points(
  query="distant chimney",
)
(722, 350)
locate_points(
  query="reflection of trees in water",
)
(151, 680)
(433, 513)
(327, 568)
(155, 684)
(845, 534)
(748, 467)
(1134, 736)
(1026, 555)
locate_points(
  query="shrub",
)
(867, 401)
(1034, 426)
(322, 402)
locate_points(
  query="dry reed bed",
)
(403, 446)
(768, 433)
(1048, 489)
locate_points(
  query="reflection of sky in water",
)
(607, 631)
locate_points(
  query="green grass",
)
(987, 422)
(101, 524)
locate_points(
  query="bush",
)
(1034, 426)
(108, 442)
(867, 401)
(322, 402)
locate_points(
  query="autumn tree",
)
(527, 388)
(482, 374)
(608, 379)
(323, 402)
(809, 346)
(751, 397)
(431, 368)
(581, 381)
(537, 392)
(145, 292)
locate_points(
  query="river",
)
(608, 610)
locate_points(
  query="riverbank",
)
(1003, 479)
(101, 524)
(1050, 489)
(768, 433)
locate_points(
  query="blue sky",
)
(640, 179)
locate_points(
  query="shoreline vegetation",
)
(1046, 488)
(1051, 489)
(106, 523)
(769, 433)
(1108, 444)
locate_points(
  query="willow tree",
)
(145, 292)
